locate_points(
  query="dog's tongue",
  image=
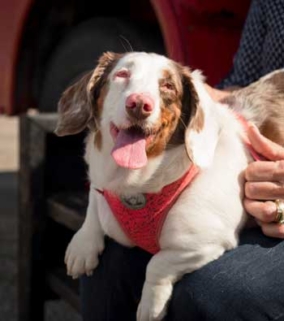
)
(130, 150)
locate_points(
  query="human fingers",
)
(262, 211)
(265, 171)
(264, 190)
(272, 229)
(263, 145)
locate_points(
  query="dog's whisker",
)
(128, 42)
(182, 122)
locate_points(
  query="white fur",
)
(205, 220)
(145, 71)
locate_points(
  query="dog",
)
(166, 164)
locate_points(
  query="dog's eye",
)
(122, 74)
(168, 86)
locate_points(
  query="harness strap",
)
(143, 224)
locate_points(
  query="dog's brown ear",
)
(190, 102)
(74, 108)
(77, 107)
(201, 135)
(193, 116)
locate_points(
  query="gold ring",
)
(279, 218)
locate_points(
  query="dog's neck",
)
(159, 172)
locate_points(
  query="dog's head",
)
(145, 103)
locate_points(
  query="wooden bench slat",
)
(68, 208)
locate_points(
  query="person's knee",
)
(119, 266)
(116, 283)
(202, 296)
(110, 271)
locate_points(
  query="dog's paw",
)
(153, 304)
(82, 253)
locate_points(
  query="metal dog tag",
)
(135, 202)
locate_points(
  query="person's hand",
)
(265, 183)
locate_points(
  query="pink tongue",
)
(130, 150)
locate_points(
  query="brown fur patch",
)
(98, 112)
(191, 115)
(276, 80)
(197, 121)
(74, 108)
(273, 127)
(269, 130)
(170, 104)
(170, 115)
(102, 90)
(178, 110)
(80, 105)
(98, 140)
(265, 100)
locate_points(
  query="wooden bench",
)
(52, 205)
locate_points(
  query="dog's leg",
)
(166, 268)
(82, 252)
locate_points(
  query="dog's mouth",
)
(130, 145)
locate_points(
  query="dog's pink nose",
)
(139, 106)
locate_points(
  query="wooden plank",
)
(31, 220)
(46, 121)
(40, 153)
(68, 208)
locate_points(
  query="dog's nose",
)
(139, 106)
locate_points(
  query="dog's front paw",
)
(153, 304)
(82, 253)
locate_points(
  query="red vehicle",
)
(45, 44)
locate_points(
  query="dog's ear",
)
(201, 135)
(77, 107)
(74, 108)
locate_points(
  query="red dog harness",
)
(142, 218)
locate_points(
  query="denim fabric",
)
(246, 283)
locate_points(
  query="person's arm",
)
(265, 184)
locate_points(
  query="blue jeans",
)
(246, 283)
